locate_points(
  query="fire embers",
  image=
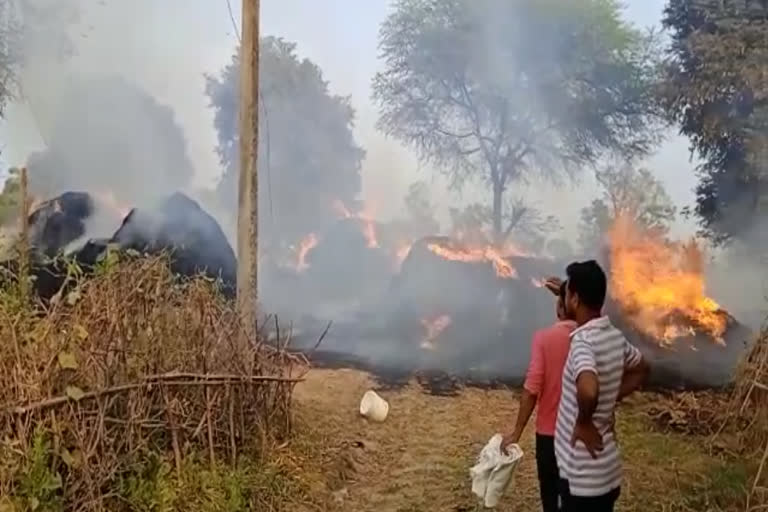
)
(434, 326)
(660, 286)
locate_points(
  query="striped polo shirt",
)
(599, 347)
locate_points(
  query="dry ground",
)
(418, 460)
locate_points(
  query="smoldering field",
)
(397, 299)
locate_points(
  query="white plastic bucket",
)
(373, 407)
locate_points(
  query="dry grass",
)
(126, 367)
(418, 460)
(136, 392)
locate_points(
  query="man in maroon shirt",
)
(543, 382)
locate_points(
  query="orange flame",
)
(434, 326)
(475, 255)
(306, 244)
(660, 285)
(369, 231)
(369, 225)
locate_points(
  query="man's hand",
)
(553, 284)
(509, 440)
(588, 434)
(527, 404)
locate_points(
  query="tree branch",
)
(516, 216)
(168, 379)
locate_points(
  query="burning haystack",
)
(454, 307)
(431, 281)
(350, 249)
(657, 292)
(442, 275)
(471, 309)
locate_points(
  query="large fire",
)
(486, 253)
(660, 285)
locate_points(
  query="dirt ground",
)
(418, 460)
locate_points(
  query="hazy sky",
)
(167, 45)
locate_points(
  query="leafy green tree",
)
(501, 92)
(717, 90)
(308, 157)
(32, 28)
(630, 192)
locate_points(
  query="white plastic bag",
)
(493, 472)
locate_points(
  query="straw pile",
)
(747, 417)
(129, 364)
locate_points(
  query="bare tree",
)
(475, 221)
(544, 94)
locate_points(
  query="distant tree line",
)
(505, 92)
(500, 93)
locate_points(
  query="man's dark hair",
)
(588, 280)
(561, 294)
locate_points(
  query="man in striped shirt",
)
(602, 368)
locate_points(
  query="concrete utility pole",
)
(248, 189)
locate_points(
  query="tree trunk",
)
(498, 228)
(248, 189)
(24, 236)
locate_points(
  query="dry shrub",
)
(746, 416)
(126, 365)
(697, 413)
